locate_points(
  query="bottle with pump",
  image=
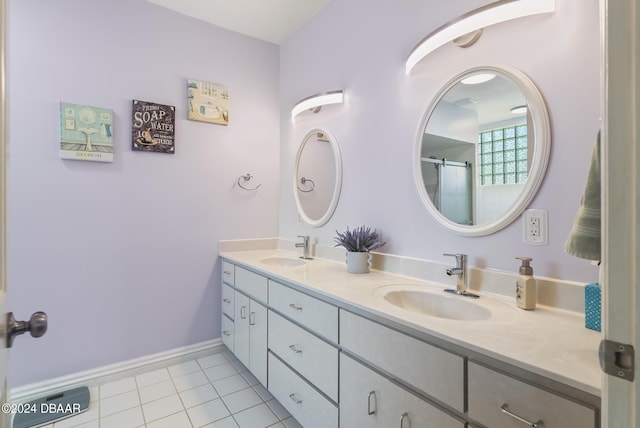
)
(526, 285)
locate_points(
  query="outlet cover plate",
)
(535, 227)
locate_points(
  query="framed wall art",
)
(208, 102)
(153, 127)
(86, 133)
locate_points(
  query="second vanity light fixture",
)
(315, 102)
(470, 25)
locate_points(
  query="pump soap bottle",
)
(526, 285)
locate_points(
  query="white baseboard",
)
(116, 371)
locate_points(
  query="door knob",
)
(37, 326)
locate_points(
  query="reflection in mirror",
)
(317, 177)
(482, 150)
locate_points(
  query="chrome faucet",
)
(306, 245)
(460, 270)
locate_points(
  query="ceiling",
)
(269, 20)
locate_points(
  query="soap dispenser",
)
(526, 285)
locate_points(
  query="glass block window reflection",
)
(503, 157)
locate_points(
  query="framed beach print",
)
(208, 102)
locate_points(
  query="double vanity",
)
(385, 350)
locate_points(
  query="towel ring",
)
(304, 181)
(245, 178)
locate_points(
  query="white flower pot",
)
(358, 262)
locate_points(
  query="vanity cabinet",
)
(335, 365)
(499, 400)
(368, 399)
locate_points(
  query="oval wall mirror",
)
(482, 150)
(317, 177)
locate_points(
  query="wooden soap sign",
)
(153, 128)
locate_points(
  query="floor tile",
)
(291, 423)
(212, 360)
(157, 391)
(131, 418)
(278, 425)
(241, 400)
(224, 423)
(184, 368)
(256, 417)
(91, 414)
(199, 395)
(190, 381)
(220, 372)
(153, 377)
(263, 392)
(278, 409)
(207, 413)
(92, 424)
(118, 387)
(229, 385)
(177, 420)
(118, 403)
(161, 408)
(250, 378)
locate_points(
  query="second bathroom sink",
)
(435, 303)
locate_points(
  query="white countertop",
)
(547, 341)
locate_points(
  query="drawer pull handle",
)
(405, 416)
(226, 333)
(295, 349)
(252, 318)
(505, 409)
(226, 272)
(295, 399)
(375, 403)
(295, 307)
(226, 300)
(243, 312)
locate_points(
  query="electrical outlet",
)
(535, 229)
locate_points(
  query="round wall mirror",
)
(482, 150)
(317, 177)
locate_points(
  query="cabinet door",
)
(258, 341)
(368, 399)
(241, 325)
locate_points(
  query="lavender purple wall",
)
(123, 256)
(361, 46)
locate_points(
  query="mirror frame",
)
(542, 148)
(338, 182)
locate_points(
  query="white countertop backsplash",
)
(550, 341)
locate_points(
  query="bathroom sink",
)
(437, 304)
(282, 261)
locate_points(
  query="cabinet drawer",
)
(438, 373)
(368, 399)
(304, 403)
(228, 276)
(251, 283)
(310, 356)
(489, 391)
(228, 334)
(314, 314)
(227, 300)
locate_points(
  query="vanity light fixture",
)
(519, 109)
(474, 21)
(315, 102)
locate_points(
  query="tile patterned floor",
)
(216, 391)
